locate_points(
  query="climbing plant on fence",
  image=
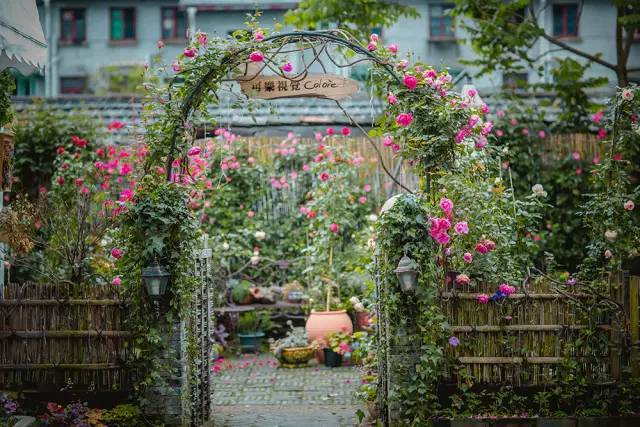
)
(480, 314)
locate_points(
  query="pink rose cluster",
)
(440, 226)
(485, 246)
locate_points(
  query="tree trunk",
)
(621, 56)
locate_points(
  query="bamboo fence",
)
(63, 336)
(520, 341)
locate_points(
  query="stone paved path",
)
(252, 391)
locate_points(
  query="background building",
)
(98, 47)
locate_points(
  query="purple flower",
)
(454, 341)
(571, 281)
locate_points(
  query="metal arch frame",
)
(314, 39)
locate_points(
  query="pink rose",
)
(506, 289)
(467, 257)
(346, 131)
(287, 67)
(258, 35)
(541, 134)
(482, 299)
(256, 56)
(330, 131)
(410, 81)
(372, 46)
(481, 248)
(159, 44)
(393, 48)
(176, 66)
(194, 151)
(629, 205)
(334, 227)
(116, 253)
(391, 98)
(404, 119)
(461, 228)
(446, 205)
(117, 281)
(324, 176)
(202, 38)
(608, 254)
(190, 52)
(251, 214)
(362, 200)
(367, 189)
(481, 142)
(374, 37)
(463, 279)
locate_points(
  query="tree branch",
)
(579, 52)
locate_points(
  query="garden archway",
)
(198, 84)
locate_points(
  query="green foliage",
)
(119, 80)
(7, 86)
(360, 17)
(39, 131)
(614, 226)
(123, 415)
(159, 226)
(240, 291)
(254, 321)
(503, 34)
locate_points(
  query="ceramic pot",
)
(251, 341)
(296, 357)
(321, 323)
(331, 358)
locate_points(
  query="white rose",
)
(372, 217)
(359, 307)
(371, 243)
(611, 235)
(225, 246)
(538, 190)
(255, 260)
(354, 300)
(260, 235)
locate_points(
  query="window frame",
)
(176, 35)
(442, 28)
(72, 41)
(85, 89)
(135, 25)
(564, 7)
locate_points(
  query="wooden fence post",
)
(634, 323)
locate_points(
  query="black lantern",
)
(407, 274)
(155, 280)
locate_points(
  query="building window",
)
(173, 23)
(73, 26)
(73, 85)
(123, 23)
(515, 80)
(565, 20)
(441, 23)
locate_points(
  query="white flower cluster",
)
(538, 190)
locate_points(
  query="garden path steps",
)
(252, 391)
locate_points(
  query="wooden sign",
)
(327, 86)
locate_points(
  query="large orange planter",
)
(321, 323)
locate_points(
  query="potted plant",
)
(251, 330)
(338, 345)
(241, 292)
(293, 351)
(322, 323)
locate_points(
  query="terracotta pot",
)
(321, 323)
